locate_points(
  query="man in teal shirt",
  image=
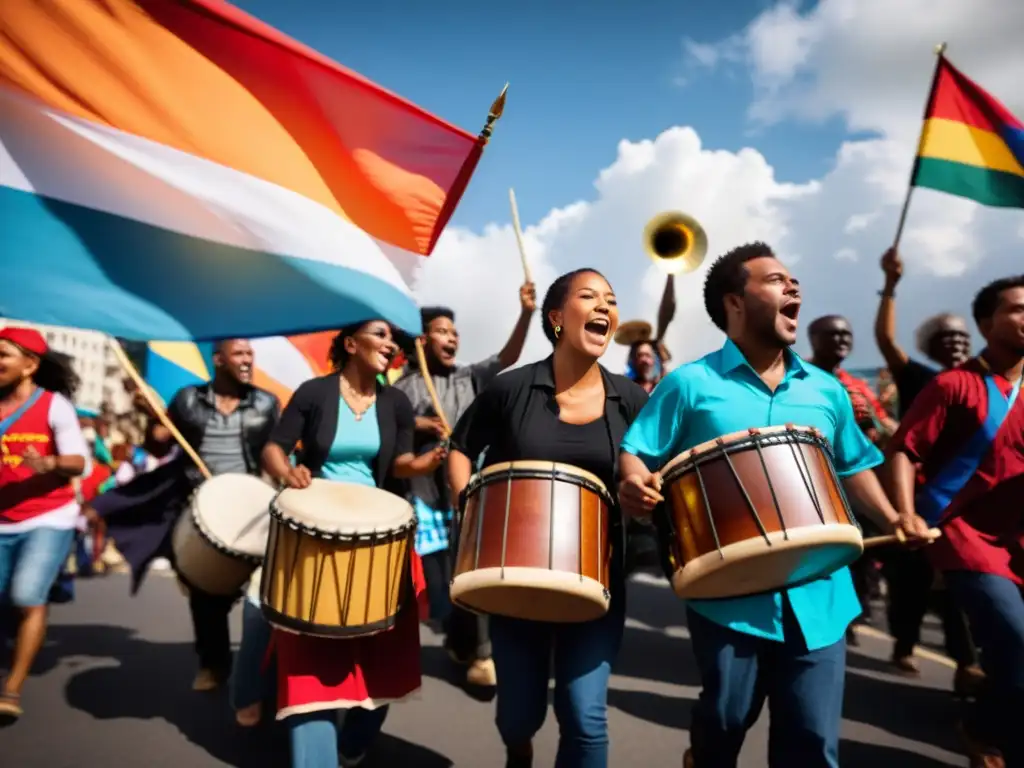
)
(787, 647)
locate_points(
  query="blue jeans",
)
(30, 563)
(316, 741)
(249, 682)
(995, 610)
(739, 672)
(583, 661)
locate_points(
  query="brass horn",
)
(676, 242)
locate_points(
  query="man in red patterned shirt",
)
(965, 434)
(831, 342)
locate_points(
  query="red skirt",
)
(315, 673)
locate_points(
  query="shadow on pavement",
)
(856, 754)
(668, 711)
(653, 655)
(923, 714)
(153, 681)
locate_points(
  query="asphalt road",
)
(112, 688)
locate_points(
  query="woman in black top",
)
(567, 409)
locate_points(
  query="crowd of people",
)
(939, 443)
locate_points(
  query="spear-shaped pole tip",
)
(496, 111)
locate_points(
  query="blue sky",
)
(583, 75)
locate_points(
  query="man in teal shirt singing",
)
(787, 647)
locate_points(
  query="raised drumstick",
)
(519, 233)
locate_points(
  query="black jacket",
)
(191, 408)
(312, 417)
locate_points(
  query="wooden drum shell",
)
(534, 543)
(335, 586)
(803, 529)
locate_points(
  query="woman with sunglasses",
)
(352, 430)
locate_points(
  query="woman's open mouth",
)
(598, 327)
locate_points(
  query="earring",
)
(558, 330)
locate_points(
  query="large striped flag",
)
(971, 146)
(178, 170)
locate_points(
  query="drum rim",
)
(479, 480)
(290, 624)
(214, 542)
(502, 467)
(687, 460)
(374, 535)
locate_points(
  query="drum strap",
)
(11, 420)
(935, 496)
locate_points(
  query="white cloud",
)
(867, 61)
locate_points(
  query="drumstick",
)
(421, 358)
(519, 233)
(156, 407)
(897, 538)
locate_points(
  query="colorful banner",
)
(178, 170)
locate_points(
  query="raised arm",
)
(513, 348)
(885, 320)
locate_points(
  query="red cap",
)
(26, 338)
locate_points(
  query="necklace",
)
(349, 394)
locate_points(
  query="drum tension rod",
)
(771, 489)
(746, 496)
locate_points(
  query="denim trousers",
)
(995, 611)
(739, 672)
(316, 739)
(250, 682)
(30, 562)
(583, 657)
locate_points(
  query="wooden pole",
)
(939, 53)
(157, 408)
(896, 538)
(421, 358)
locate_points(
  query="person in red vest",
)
(41, 450)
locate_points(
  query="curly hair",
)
(55, 372)
(337, 356)
(728, 275)
(925, 335)
(556, 296)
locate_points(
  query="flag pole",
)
(156, 407)
(940, 51)
(495, 113)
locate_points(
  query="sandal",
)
(10, 705)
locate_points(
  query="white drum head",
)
(233, 510)
(345, 508)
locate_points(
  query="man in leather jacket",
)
(227, 421)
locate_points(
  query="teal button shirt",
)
(720, 394)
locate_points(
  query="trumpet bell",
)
(676, 242)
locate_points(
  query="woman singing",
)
(353, 431)
(566, 409)
(43, 449)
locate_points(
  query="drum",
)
(534, 543)
(756, 511)
(221, 536)
(337, 560)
